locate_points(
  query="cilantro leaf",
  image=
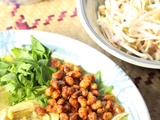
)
(28, 73)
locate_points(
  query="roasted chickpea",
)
(48, 108)
(69, 80)
(92, 116)
(108, 97)
(54, 84)
(61, 83)
(96, 105)
(61, 101)
(73, 116)
(73, 101)
(82, 101)
(77, 68)
(84, 91)
(39, 111)
(74, 74)
(76, 81)
(107, 116)
(57, 109)
(96, 93)
(89, 110)
(76, 94)
(52, 101)
(70, 90)
(89, 77)
(100, 110)
(109, 104)
(85, 83)
(75, 108)
(76, 87)
(56, 94)
(58, 75)
(83, 113)
(55, 63)
(63, 116)
(67, 108)
(94, 86)
(118, 109)
(64, 92)
(91, 98)
(66, 69)
(49, 91)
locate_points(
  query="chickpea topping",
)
(75, 108)
(74, 95)
(61, 101)
(74, 74)
(73, 101)
(76, 87)
(95, 93)
(91, 98)
(82, 113)
(92, 116)
(77, 68)
(107, 116)
(117, 109)
(69, 80)
(67, 108)
(58, 75)
(55, 63)
(89, 77)
(73, 116)
(63, 116)
(94, 86)
(108, 97)
(82, 101)
(85, 83)
(96, 105)
(49, 91)
(57, 109)
(100, 110)
(54, 84)
(65, 92)
(56, 94)
(52, 101)
(84, 92)
(66, 69)
(109, 104)
(89, 109)
(48, 108)
(40, 111)
(70, 90)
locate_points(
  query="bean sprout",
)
(132, 26)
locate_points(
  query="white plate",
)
(90, 59)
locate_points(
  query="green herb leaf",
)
(102, 88)
(27, 73)
(22, 53)
(39, 51)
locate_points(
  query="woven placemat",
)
(60, 16)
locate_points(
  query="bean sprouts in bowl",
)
(127, 29)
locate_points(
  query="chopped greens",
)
(102, 88)
(27, 72)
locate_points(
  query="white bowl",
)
(87, 12)
(90, 59)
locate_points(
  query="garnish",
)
(27, 73)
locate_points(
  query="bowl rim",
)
(108, 48)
